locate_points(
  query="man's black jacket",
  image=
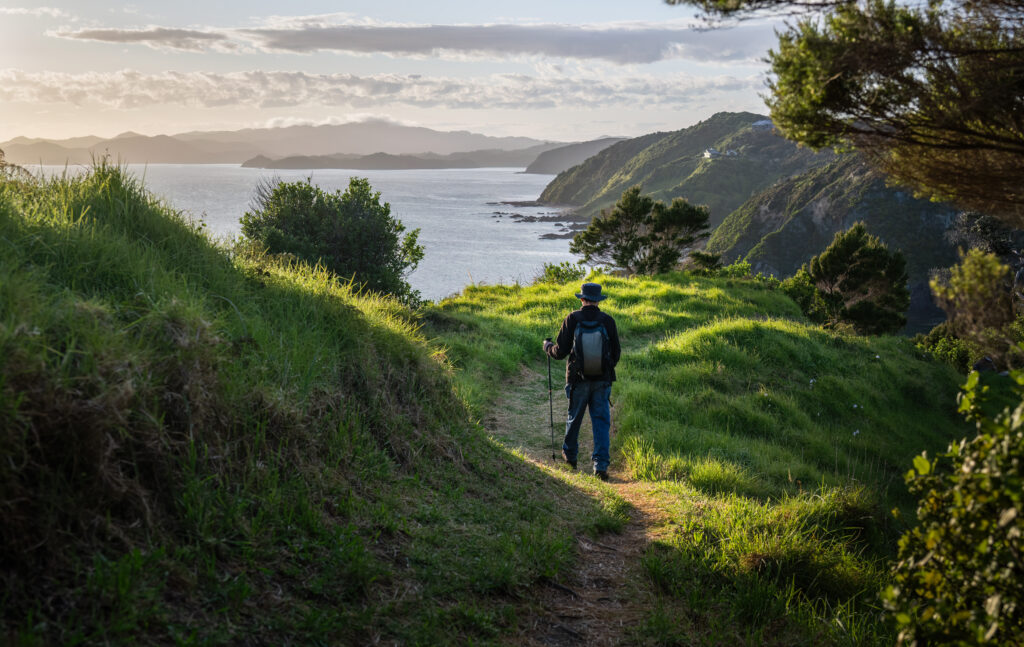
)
(563, 344)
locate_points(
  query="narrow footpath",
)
(603, 597)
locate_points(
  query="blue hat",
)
(591, 292)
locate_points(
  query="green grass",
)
(202, 448)
(214, 447)
(776, 448)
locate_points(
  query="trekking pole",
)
(551, 409)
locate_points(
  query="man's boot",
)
(572, 463)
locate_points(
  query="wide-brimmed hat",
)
(591, 292)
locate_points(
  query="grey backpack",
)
(590, 346)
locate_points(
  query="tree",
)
(860, 282)
(932, 93)
(351, 233)
(641, 235)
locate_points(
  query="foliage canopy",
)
(932, 92)
(856, 281)
(861, 282)
(352, 234)
(641, 235)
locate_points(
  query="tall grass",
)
(205, 449)
(776, 448)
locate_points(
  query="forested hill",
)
(747, 157)
(778, 229)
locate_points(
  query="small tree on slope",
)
(351, 233)
(858, 281)
(641, 235)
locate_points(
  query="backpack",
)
(591, 348)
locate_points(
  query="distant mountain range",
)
(225, 147)
(469, 159)
(548, 158)
(365, 145)
(771, 203)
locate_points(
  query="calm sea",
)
(465, 239)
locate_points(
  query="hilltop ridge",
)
(673, 164)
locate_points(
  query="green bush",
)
(559, 273)
(960, 578)
(945, 346)
(978, 298)
(800, 288)
(352, 233)
(706, 262)
(737, 270)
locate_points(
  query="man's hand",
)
(547, 344)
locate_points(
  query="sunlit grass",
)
(778, 447)
(209, 447)
(200, 432)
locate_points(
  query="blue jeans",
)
(595, 396)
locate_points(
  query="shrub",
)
(706, 262)
(737, 270)
(977, 296)
(800, 288)
(945, 346)
(959, 578)
(564, 272)
(641, 235)
(352, 233)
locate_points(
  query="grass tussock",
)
(209, 448)
(776, 448)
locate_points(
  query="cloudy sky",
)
(552, 69)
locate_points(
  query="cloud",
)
(130, 89)
(619, 43)
(190, 40)
(35, 11)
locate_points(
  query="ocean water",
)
(465, 239)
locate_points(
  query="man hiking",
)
(591, 342)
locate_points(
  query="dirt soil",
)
(602, 598)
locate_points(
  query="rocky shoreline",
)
(570, 223)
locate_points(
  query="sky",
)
(559, 70)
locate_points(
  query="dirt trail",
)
(599, 599)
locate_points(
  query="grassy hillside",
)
(201, 449)
(214, 448)
(670, 165)
(776, 449)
